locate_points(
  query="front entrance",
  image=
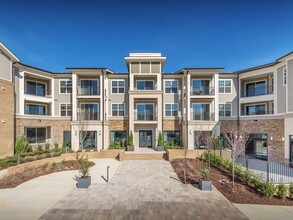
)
(145, 138)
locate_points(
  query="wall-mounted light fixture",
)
(99, 132)
(3, 122)
(272, 138)
(190, 131)
(283, 138)
(3, 88)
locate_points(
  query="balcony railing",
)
(88, 90)
(151, 88)
(142, 116)
(89, 116)
(271, 112)
(48, 94)
(262, 90)
(203, 116)
(202, 90)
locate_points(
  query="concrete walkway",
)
(143, 190)
(32, 198)
(268, 212)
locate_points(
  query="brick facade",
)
(119, 125)
(6, 118)
(274, 128)
(57, 127)
(173, 125)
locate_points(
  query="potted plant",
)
(204, 183)
(130, 146)
(84, 179)
(160, 142)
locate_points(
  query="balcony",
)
(142, 116)
(145, 88)
(257, 91)
(202, 90)
(202, 116)
(88, 91)
(88, 116)
(261, 112)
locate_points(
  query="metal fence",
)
(276, 171)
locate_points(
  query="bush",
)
(291, 190)
(47, 147)
(56, 147)
(84, 169)
(238, 170)
(172, 145)
(130, 139)
(160, 139)
(268, 189)
(248, 176)
(282, 191)
(204, 172)
(22, 146)
(40, 148)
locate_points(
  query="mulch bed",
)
(13, 180)
(222, 180)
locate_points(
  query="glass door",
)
(145, 139)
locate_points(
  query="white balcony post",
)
(21, 93)
(188, 97)
(53, 97)
(216, 80)
(101, 92)
(275, 92)
(74, 104)
(158, 81)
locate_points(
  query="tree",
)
(21, 147)
(160, 139)
(130, 139)
(236, 138)
(215, 142)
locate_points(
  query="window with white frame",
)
(65, 109)
(225, 110)
(171, 86)
(117, 109)
(225, 86)
(171, 109)
(118, 86)
(284, 76)
(65, 86)
(36, 135)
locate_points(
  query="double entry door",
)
(145, 138)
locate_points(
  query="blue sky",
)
(233, 34)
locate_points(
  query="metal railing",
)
(202, 90)
(146, 88)
(269, 171)
(88, 90)
(203, 116)
(143, 116)
(48, 94)
(89, 116)
(271, 112)
(262, 90)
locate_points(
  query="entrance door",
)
(145, 138)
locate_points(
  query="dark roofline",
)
(36, 68)
(203, 68)
(257, 67)
(86, 68)
(285, 56)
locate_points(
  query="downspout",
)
(186, 115)
(238, 103)
(103, 121)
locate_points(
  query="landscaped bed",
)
(222, 180)
(13, 180)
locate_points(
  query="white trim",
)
(36, 127)
(117, 109)
(117, 86)
(255, 104)
(65, 103)
(174, 103)
(31, 103)
(154, 109)
(224, 109)
(164, 86)
(66, 86)
(224, 86)
(37, 82)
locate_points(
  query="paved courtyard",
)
(143, 190)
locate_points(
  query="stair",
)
(143, 156)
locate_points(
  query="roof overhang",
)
(9, 53)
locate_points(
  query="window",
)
(255, 88)
(257, 146)
(201, 139)
(118, 86)
(272, 83)
(284, 76)
(35, 88)
(172, 136)
(36, 135)
(171, 109)
(118, 137)
(225, 109)
(89, 111)
(225, 141)
(255, 110)
(145, 112)
(201, 111)
(201, 87)
(89, 87)
(65, 86)
(225, 85)
(65, 110)
(117, 109)
(32, 109)
(67, 138)
(144, 85)
(171, 86)
(88, 140)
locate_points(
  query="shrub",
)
(56, 147)
(45, 165)
(84, 169)
(268, 189)
(238, 170)
(54, 164)
(131, 139)
(21, 145)
(248, 176)
(291, 190)
(40, 148)
(47, 147)
(160, 139)
(282, 190)
(204, 172)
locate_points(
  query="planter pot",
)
(205, 185)
(84, 182)
(130, 148)
(160, 148)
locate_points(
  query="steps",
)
(144, 156)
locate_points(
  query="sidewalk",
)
(268, 212)
(32, 198)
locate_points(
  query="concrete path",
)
(268, 212)
(143, 190)
(32, 198)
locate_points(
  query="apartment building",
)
(93, 108)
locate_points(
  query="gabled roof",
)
(286, 55)
(257, 67)
(39, 69)
(9, 53)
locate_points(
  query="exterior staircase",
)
(145, 156)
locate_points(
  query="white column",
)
(275, 92)
(74, 102)
(53, 97)
(101, 97)
(158, 81)
(21, 92)
(188, 97)
(216, 83)
(131, 81)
